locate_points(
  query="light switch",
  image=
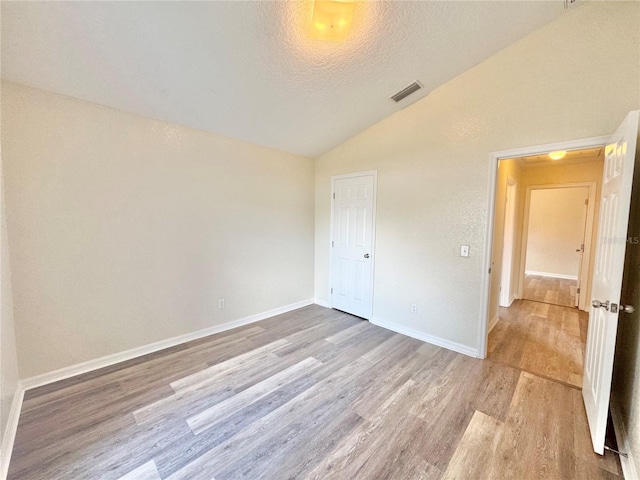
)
(464, 250)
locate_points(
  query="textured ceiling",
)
(248, 69)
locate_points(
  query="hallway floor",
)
(543, 339)
(557, 291)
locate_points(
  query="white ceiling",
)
(247, 69)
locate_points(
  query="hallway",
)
(543, 339)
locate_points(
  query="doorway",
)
(618, 153)
(557, 242)
(545, 213)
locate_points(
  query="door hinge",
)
(578, 290)
(586, 201)
(332, 243)
(489, 270)
(331, 289)
(334, 196)
(582, 247)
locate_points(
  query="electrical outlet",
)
(221, 303)
(414, 308)
(464, 250)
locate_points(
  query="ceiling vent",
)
(405, 92)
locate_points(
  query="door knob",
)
(627, 308)
(598, 304)
(366, 255)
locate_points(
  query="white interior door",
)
(607, 279)
(352, 244)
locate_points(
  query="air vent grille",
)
(405, 92)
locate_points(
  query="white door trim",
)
(591, 212)
(494, 158)
(506, 295)
(373, 229)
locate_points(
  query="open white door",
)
(617, 179)
(352, 244)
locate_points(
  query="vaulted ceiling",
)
(248, 70)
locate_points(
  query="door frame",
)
(373, 229)
(494, 158)
(588, 231)
(506, 296)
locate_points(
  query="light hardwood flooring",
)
(311, 394)
(557, 291)
(543, 339)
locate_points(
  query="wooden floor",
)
(557, 291)
(543, 339)
(310, 394)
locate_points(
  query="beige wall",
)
(590, 171)
(8, 355)
(126, 231)
(556, 230)
(432, 159)
(507, 169)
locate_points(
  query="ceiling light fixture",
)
(557, 155)
(331, 20)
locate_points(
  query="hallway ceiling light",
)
(557, 155)
(331, 20)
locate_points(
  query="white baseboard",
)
(425, 337)
(629, 470)
(84, 367)
(9, 434)
(322, 303)
(493, 323)
(511, 300)
(551, 275)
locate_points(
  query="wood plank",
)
(190, 401)
(235, 364)
(348, 333)
(322, 400)
(206, 418)
(366, 453)
(146, 471)
(538, 435)
(475, 453)
(187, 449)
